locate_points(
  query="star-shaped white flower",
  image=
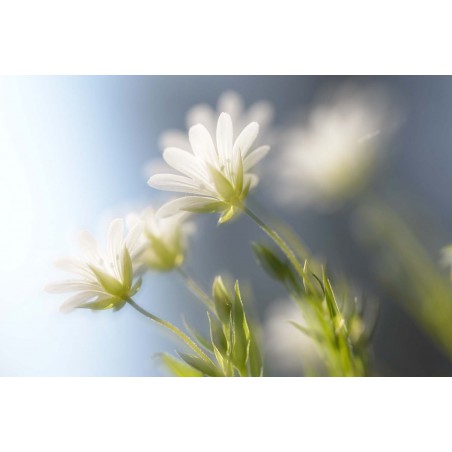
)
(104, 280)
(163, 240)
(230, 102)
(333, 154)
(217, 176)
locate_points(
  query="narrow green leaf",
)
(223, 304)
(203, 342)
(255, 357)
(272, 264)
(201, 365)
(178, 368)
(241, 337)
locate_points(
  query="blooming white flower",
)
(217, 177)
(163, 240)
(229, 102)
(332, 154)
(104, 280)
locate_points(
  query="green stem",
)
(194, 287)
(278, 240)
(180, 334)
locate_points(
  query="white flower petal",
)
(246, 139)
(132, 240)
(89, 247)
(251, 179)
(231, 103)
(260, 112)
(186, 163)
(72, 265)
(115, 237)
(187, 202)
(202, 144)
(174, 182)
(254, 157)
(202, 114)
(72, 286)
(78, 300)
(224, 138)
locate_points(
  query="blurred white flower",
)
(217, 176)
(104, 280)
(288, 350)
(331, 155)
(446, 258)
(163, 240)
(229, 102)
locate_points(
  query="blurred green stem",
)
(180, 334)
(194, 287)
(278, 240)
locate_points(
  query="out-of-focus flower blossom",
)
(331, 155)
(229, 102)
(446, 258)
(217, 176)
(288, 349)
(104, 280)
(163, 240)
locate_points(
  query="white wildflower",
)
(216, 176)
(163, 240)
(103, 280)
(229, 102)
(332, 154)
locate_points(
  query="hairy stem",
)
(194, 287)
(278, 240)
(180, 334)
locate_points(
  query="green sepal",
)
(200, 365)
(240, 173)
(178, 368)
(219, 343)
(241, 333)
(128, 269)
(109, 303)
(110, 284)
(223, 303)
(228, 215)
(222, 184)
(212, 207)
(136, 287)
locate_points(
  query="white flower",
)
(216, 176)
(229, 102)
(332, 154)
(103, 280)
(288, 349)
(163, 240)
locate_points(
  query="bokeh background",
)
(73, 154)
